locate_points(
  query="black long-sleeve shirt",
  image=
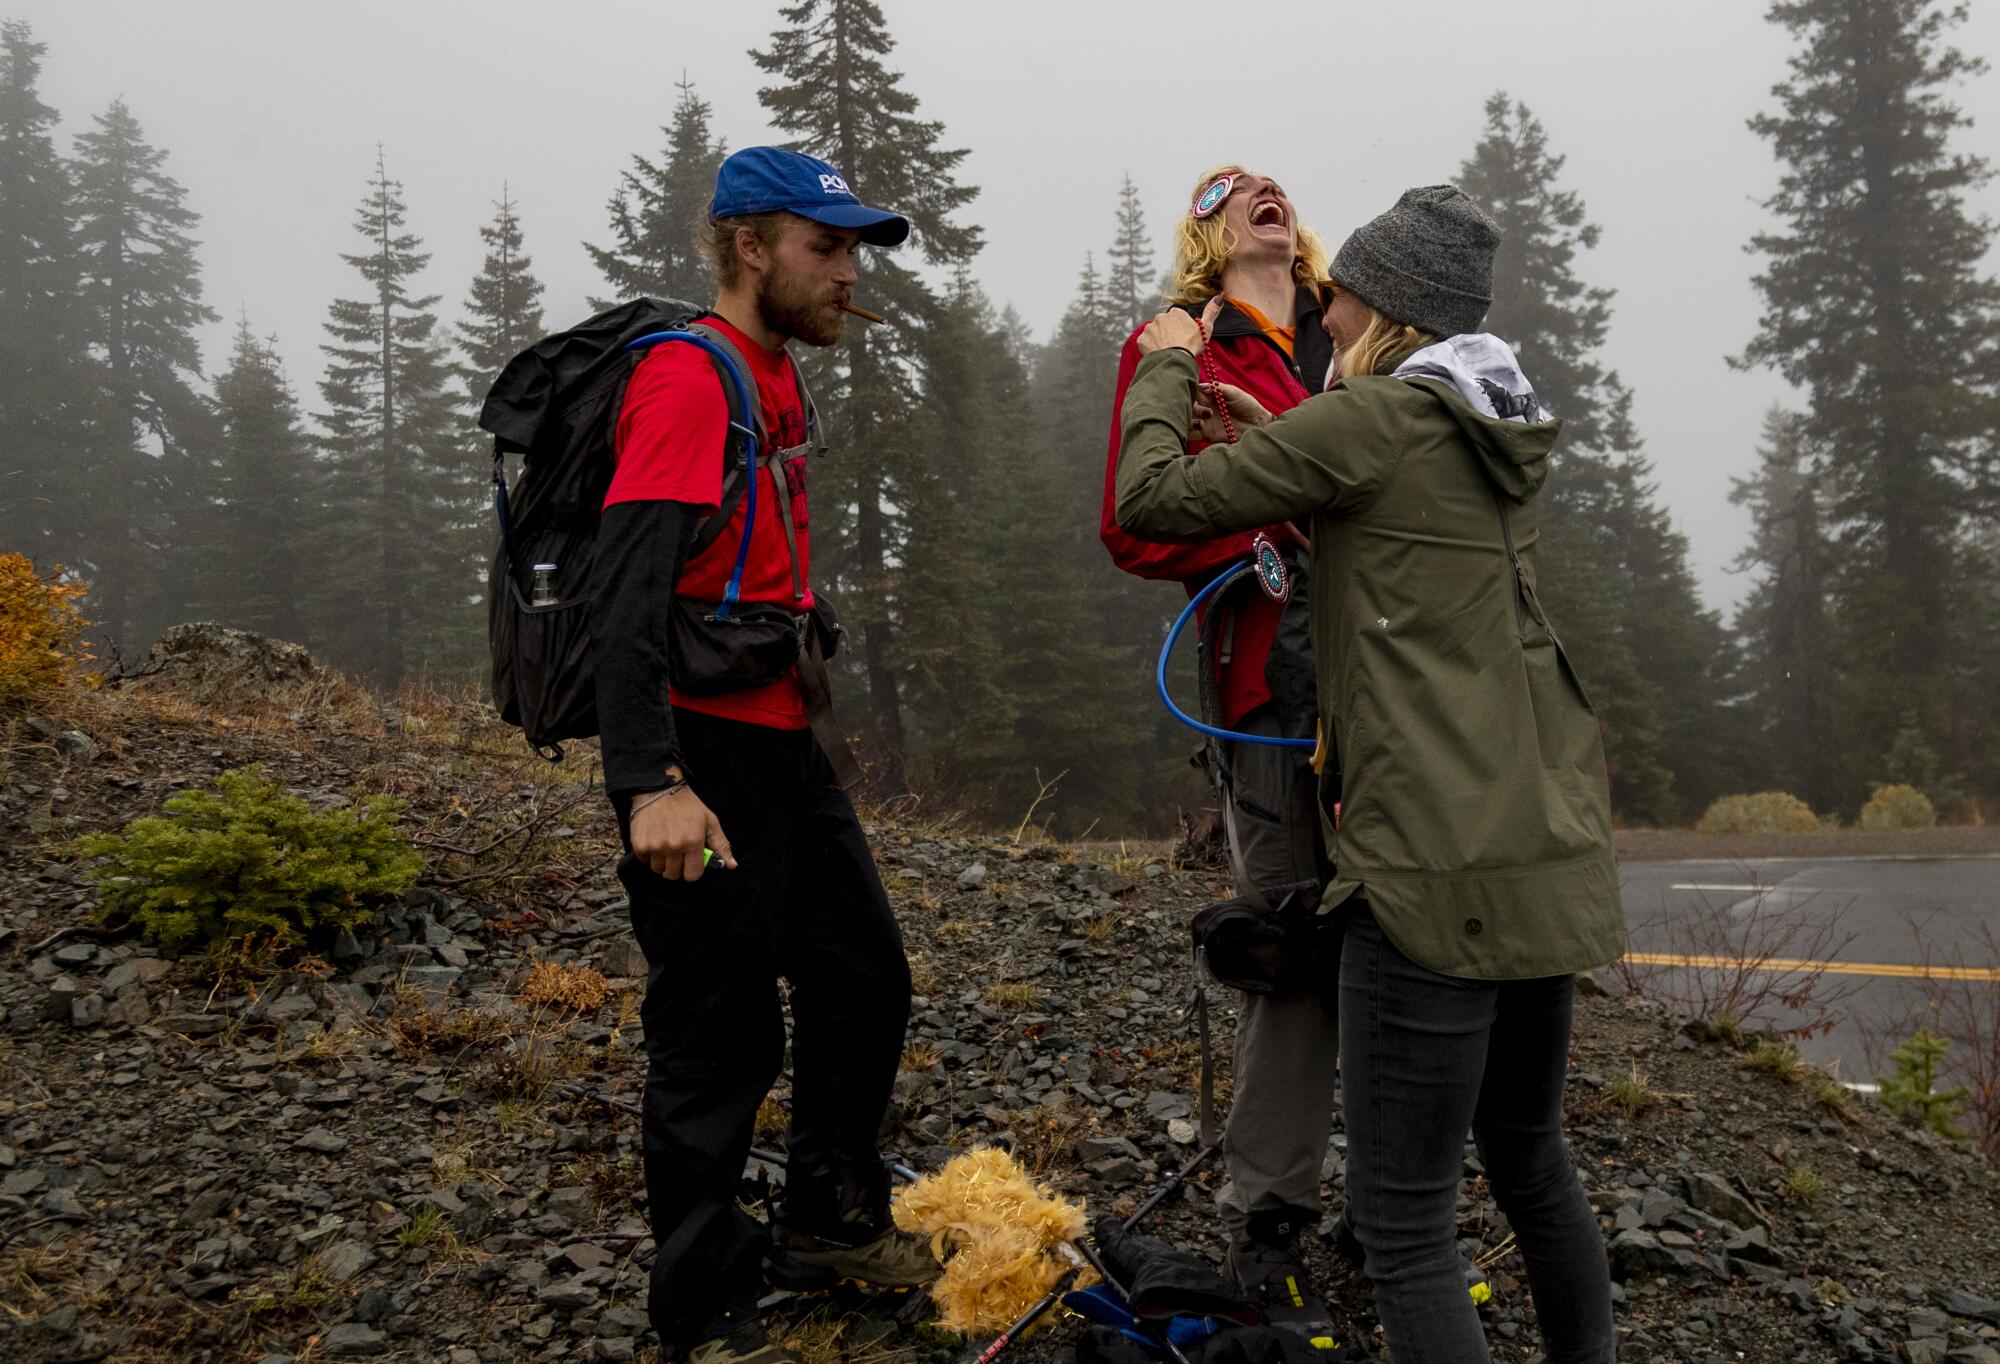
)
(641, 549)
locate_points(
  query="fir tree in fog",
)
(837, 100)
(1877, 305)
(1790, 674)
(1610, 564)
(656, 208)
(404, 515)
(264, 498)
(50, 386)
(504, 307)
(141, 294)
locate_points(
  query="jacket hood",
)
(1481, 384)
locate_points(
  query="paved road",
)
(1876, 918)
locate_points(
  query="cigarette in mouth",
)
(862, 313)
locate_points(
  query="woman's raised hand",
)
(1175, 328)
(1244, 410)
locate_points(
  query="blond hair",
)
(1202, 246)
(1379, 341)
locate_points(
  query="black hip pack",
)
(1264, 944)
(748, 647)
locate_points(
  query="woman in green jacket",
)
(1472, 846)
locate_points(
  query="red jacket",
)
(1245, 357)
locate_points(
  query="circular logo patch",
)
(1272, 573)
(1211, 198)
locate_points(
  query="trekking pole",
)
(1174, 1181)
(1035, 1313)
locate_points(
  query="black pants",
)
(1423, 1057)
(804, 903)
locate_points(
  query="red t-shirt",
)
(671, 442)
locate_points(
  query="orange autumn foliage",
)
(40, 628)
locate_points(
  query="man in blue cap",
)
(745, 862)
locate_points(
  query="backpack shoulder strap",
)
(734, 485)
(815, 436)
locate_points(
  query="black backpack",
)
(556, 404)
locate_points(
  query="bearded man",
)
(744, 860)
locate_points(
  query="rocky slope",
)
(404, 1151)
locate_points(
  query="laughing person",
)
(1240, 248)
(1475, 874)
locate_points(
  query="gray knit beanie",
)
(1427, 262)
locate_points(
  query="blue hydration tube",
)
(750, 451)
(1222, 580)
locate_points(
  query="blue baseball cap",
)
(766, 179)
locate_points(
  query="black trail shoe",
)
(1264, 1259)
(750, 1343)
(805, 1263)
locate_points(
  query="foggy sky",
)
(271, 110)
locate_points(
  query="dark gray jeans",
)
(1423, 1057)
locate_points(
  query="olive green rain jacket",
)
(1476, 815)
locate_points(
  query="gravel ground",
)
(399, 1151)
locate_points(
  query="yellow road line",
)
(1989, 975)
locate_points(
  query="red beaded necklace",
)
(1214, 377)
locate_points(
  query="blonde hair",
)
(1378, 341)
(1202, 246)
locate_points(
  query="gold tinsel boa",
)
(996, 1231)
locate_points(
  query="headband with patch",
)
(1211, 198)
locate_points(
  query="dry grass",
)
(458, 1161)
(531, 1067)
(32, 1277)
(1098, 929)
(924, 977)
(920, 1056)
(831, 1336)
(574, 988)
(773, 1120)
(1014, 995)
(420, 1030)
(958, 930)
(1631, 1095)
(1802, 1186)
(1779, 1059)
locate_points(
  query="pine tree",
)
(1090, 669)
(263, 481)
(402, 550)
(655, 210)
(504, 305)
(1876, 303)
(50, 386)
(1789, 673)
(838, 100)
(1129, 288)
(960, 741)
(141, 295)
(1611, 566)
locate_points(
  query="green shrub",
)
(1912, 1093)
(1898, 807)
(248, 861)
(1767, 812)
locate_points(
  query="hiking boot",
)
(750, 1343)
(1349, 1245)
(803, 1262)
(1265, 1261)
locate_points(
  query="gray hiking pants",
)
(1282, 1111)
